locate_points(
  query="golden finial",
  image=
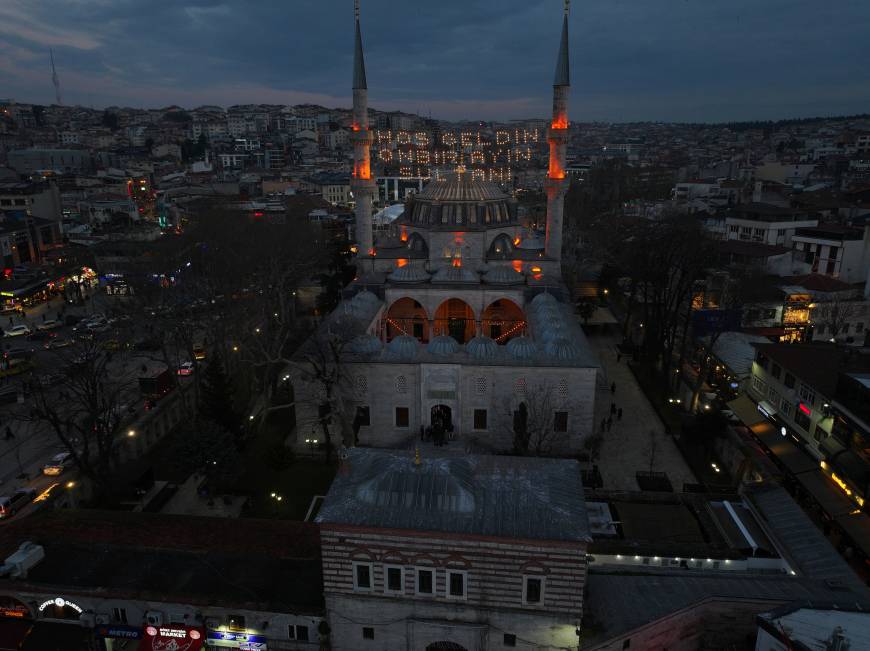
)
(356, 9)
(417, 460)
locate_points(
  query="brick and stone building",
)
(453, 552)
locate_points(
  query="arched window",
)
(502, 321)
(502, 247)
(417, 243)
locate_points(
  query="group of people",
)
(607, 423)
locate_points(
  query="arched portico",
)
(455, 317)
(406, 316)
(502, 320)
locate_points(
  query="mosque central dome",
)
(459, 202)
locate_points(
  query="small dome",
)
(546, 312)
(409, 274)
(365, 297)
(504, 276)
(532, 243)
(365, 345)
(550, 330)
(482, 348)
(443, 345)
(561, 348)
(403, 347)
(455, 275)
(543, 299)
(522, 348)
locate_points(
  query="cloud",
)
(631, 59)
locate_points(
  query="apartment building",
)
(834, 250)
(766, 223)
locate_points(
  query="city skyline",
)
(631, 62)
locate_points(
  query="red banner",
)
(172, 638)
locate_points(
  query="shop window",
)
(776, 371)
(362, 576)
(236, 622)
(533, 590)
(368, 633)
(560, 421)
(789, 380)
(480, 419)
(425, 581)
(402, 418)
(510, 639)
(393, 580)
(119, 615)
(456, 581)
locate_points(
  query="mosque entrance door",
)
(442, 416)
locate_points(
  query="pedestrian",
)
(43, 317)
(619, 414)
(9, 434)
(612, 408)
(613, 388)
(609, 423)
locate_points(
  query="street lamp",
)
(312, 443)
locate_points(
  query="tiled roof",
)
(817, 282)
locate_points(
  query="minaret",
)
(362, 184)
(557, 136)
(54, 78)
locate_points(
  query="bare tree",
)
(532, 421)
(320, 364)
(85, 417)
(834, 314)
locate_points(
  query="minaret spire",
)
(362, 184)
(557, 136)
(54, 78)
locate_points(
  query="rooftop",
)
(814, 364)
(461, 188)
(495, 496)
(161, 557)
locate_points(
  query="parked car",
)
(41, 335)
(57, 342)
(10, 505)
(17, 331)
(58, 464)
(51, 324)
(185, 369)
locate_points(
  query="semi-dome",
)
(455, 275)
(482, 348)
(504, 276)
(403, 347)
(443, 345)
(409, 274)
(562, 349)
(459, 202)
(522, 348)
(365, 345)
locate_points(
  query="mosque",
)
(458, 313)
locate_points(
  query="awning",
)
(54, 636)
(784, 449)
(766, 409)
(12, 632)
(746, 411)
(857, 527)
(828, 496)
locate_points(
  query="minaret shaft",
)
(556, 183)
(362, 183)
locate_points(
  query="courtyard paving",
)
(628, 446)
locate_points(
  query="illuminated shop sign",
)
(122, 632)
(60, 602)
(235, 637)
(805, 409)
(172, 638)
(17, 613)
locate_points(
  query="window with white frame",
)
(362, 577)
(425, 581)
(808, 395)
(759, 385)
(785, 407)
(772, 395)
(457, 584)
(533, 590)
(394, 579)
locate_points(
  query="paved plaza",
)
(627, 447)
